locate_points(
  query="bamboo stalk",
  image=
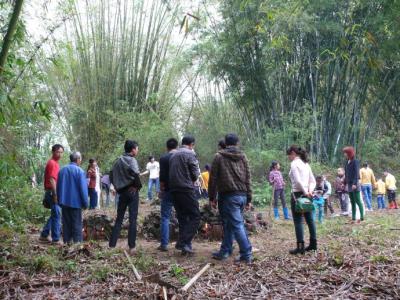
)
(195, 277)
(135, 271)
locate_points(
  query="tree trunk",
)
(12, 26)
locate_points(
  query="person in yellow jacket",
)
(205, 177)
(367, 180)
(381, 192)
(390, 182)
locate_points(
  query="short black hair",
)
(319, 178)
(172, 143)
(188, 140)
(92, 160)
(130, 145)
(56, 147)
(221, 144)
(151, 157)
(231, 139)
(365, 164)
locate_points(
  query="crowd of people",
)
(179, 182)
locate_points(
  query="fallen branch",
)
(135, 271)
(45, 283)
(164, 289)
(194, 279)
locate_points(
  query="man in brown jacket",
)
(230, 178)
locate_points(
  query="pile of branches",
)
(210, 227)
(97, 225)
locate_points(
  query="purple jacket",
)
(276, 179)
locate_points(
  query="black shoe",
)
(219, 256)
(186, 250)
(178, 246)
(312, 246)
(298, 250)
(239, 260)
(162, 248)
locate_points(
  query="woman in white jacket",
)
(303, 184)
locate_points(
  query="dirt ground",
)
(353, 262)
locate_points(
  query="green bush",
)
(20, 203)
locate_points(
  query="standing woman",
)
(92, 176)
(303, 184)
(352, 178)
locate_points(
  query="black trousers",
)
(72, 224)
(188, 214)
(126, 199)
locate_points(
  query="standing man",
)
(367, 180)
(125, 178)
(152, 168)
(230, 177)
(165, 195)
(390, 182)
(72, 193)
(53, 224)
(183, 173)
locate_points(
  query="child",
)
(381, 191)
(276, 180)
(340, 190)
(205, 176)
(327, 197)
(390, 182)
(319, 198)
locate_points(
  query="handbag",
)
(304, 204)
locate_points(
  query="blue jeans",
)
(381, 201)
(153, 182)
(166, 208)
(367, 194)
(298, 221)
(319, 204)
(72, 224)
(53, 224)
(225, 240)
(93, 198)
(233, 206)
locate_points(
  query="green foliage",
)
(262, 194)
(143, 261)
(179, 273)
(20, 203)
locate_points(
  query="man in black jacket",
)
(183, 173)
(125, 178)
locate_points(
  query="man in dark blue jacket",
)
(72, 194)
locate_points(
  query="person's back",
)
(183, 173)
(125, 172)
(183, 170)
(230, 177)
(72, 187)
(380, 187)
(367, 176)
(231, 167)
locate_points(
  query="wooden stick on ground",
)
(164, 289)
(195, 277)
(135, 271)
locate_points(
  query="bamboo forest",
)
(204, 149)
